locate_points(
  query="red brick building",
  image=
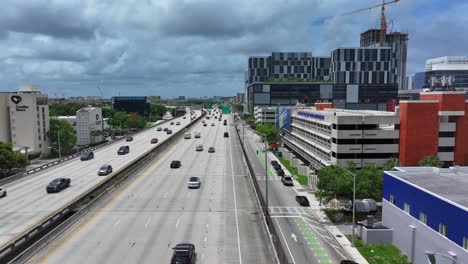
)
(435, 125)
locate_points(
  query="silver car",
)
(3, 191)
(194, 182)
(199, 147)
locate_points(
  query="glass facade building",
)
(131, 104)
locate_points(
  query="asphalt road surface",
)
(27, 202)
(156, 211)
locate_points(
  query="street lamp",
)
(431, 257)
(354, 203)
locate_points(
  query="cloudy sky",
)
(196, 47)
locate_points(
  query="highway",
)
(144, 220)
(303, 236)
(27, 202)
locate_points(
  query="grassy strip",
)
(380, 253)
(303, 180)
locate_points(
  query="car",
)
(184, 253)
(226, 134)
(177, 123)
(211, 150)
(184, 117)
(187, 135)
(280, 172)
(212, 124)
(165, 129)
(219, 119)
(273, 163)
(87, 155)
(348, 262)
(128, 139)
(207, 117)
(199, 147)
(154, 140)
(194, 182)
(123, 150)
(3, 191)
(58, 185)
(159, 129)
(169, 132)
(105, 170)
(175, 164)
(287, 181)
(277, 166)
(172, 123)
(204, 124)
(197, 134)
(302, 200)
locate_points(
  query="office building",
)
(436, 125)
(131, 104)
(88, 121)
(24, 119)
(449, 72)
(264, 114)
(331, 136)
(398, 43)
(426, 208)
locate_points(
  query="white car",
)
(197, 134)
(199, 147)
(187, 135)
(194, 182)
(3, 191)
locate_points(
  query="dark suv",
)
(226, 134)
(302, 200)
(58, 185)
(184, 253)
(87, 155)
(175, 164)
(123, 150)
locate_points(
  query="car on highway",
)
(172, 123)
(123, 150)
(226, 134)
(211, 150)
(154, 140)
(58, 184)
(184, 253)
(105, 170)
(3, 191)
(87, 155)
(165, 129)
(287, 181)
(212, 124)
(169, 132)
(204, 124)
(128, 139)
(302, 200)
(176, 164)
(187, 135)
(184, 117)
(197, 134)
(177, 123)
(199, 147)
(159, 129)
(194, 182)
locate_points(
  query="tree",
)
(65, 130)
(270, 131)
(135, 121)
(391, 163)
(157, 111)
(65, 109)
(9, 159)
(175, 112)
(431, 161)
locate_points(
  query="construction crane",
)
(383, 19)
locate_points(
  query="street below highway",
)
(149, 216)
(303, 236)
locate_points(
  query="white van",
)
(187, 135)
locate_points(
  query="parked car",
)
(211, 150)
(199, 147)
(175, 164)
(348, 262)
(273, 163)
(277, 166)
(169, 131)
(58, 185)
(165, 129)
(87, 155)
(128, 139)
(302, 200)
(154, 140)
(197, 134)
(123, 150)
(194, 182)
(364, 206)
(159, 129)
(287, 181)
(105, 170)
(3, 191)
(184, 253)
(226, 134)
(280, 172)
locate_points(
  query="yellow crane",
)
(383, 19)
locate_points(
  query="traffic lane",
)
(35, 203)
(125, 207)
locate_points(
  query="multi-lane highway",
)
(302, 234)
(27, 202)
(156, 211)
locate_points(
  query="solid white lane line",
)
(177, 224)
(11, 220)
(165, 195)
(235, 203)
(285, 241)
(116, 223)
(147, 222)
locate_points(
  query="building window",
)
(443, 229)
(465, 242)
(423, 218)
(392, 199)
(407, 208)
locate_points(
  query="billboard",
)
(283, 118)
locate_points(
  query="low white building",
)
(88, 120)
(264, 114)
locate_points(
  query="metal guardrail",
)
(21, 175)
(17, 243)
(280, 252)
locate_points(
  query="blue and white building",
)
(427, 208)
